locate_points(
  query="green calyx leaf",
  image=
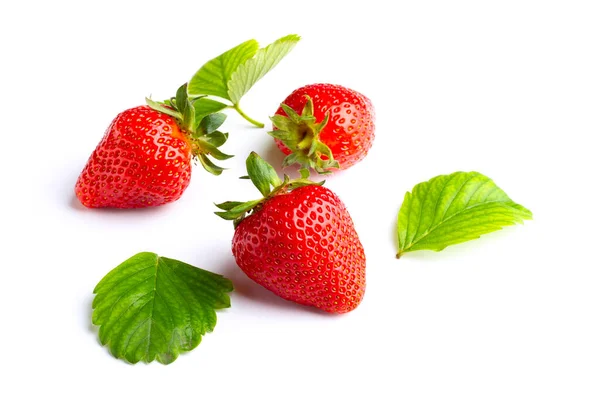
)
(181, 99)
(153, 308)
(207, 145)
(165, 108)
(455, 208)
(216, 138)
(262, 174)
(238, 212)
(209, 165)
(300, 134)
(266, 180)
(212, 122)
(199, 119)
(232, 74)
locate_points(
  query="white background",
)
(507, 88)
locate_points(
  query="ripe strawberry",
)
(144, 158)
(324, 126)
(298, 241)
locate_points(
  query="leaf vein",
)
(454, 215)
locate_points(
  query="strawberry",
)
(298, 241)
(324, 127)
(144, 158)
(145, 155)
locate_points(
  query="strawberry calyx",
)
(300, 134)
(266, 180)
(199, 120)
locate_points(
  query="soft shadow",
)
(273, 155)
(252, 291)
(394, 232)
(457, 251)
(76, 205)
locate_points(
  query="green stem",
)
(308, 137)
(237, 108)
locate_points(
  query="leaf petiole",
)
(237, 108)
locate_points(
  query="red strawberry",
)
(144, 158)
(298, 241)
(324, 126)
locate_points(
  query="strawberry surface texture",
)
(143, 160)
(302, 246)
(344, 139)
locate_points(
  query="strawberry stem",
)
(308, 136)
(237, 108)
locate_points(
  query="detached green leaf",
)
(230, 75)
(153, 308)
(212, 78)
(451, 209)
(255, 68)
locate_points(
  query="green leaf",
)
(451, 209)
(204, 106)
(228, 205)
(216, 138)
(213, 150)
(189, 117)
(238, 210)
(285, 126)
(212, 122)
(155, 105)
(300, 134)
(209, 165)
(181, 98)
(153, 308)
(212, 78)
(255, 68)
(262, 174)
